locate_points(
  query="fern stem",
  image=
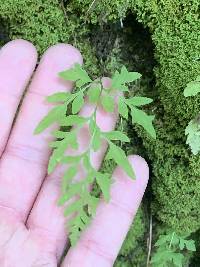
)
(171, 240)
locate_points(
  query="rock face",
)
(174, 27)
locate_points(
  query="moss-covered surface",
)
(176, 184)
(134, 251)
(175, 43)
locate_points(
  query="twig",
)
(90, 7)
(171, 240)
(66, 18)
(150, 242)
(64, 11)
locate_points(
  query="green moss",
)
(45, 23)
(176, 184)
(196, 257)
(134, 250)
(174, 26)
(100, 11)
(40, 22)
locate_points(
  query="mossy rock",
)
(174, 28)
(134, 249)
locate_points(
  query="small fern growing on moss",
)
(170, 250)
(193, 129)
(82, 205)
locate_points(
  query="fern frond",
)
(80, 205)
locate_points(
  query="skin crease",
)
(32, 227)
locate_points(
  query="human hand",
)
(32, 226)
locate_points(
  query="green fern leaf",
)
(118, 155)
(94, 94)
(190, 245)
(76, 74)
(73, 120)
(122, 108)
(57, 155)
(86, 162)
(71, 159)
(96, 141)
(73, 207)
(140, 117)
(116, 135)
(92, 205)
(104, 182)
(177, 259)
(59, 97)
(167, 253)
(193, 88)
(193, 136)
(80, 204)
(121, 78)
(53, 116)
(59, 134)
(73, 189)
(108, 103)
(139, 101)
(77, 103)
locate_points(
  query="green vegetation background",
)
(160, 39)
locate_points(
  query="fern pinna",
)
(80, 204)
(193, 129)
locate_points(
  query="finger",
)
(101, 242)
(46, 218)
(24, 162)
(17, 61)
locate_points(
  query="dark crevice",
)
(4, 32)
(127, 42)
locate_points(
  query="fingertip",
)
(106, 81)
(134, 188)
(57, 58)
(140, 167)
(19, 51)
(66, 52)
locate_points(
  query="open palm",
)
(32, 228)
